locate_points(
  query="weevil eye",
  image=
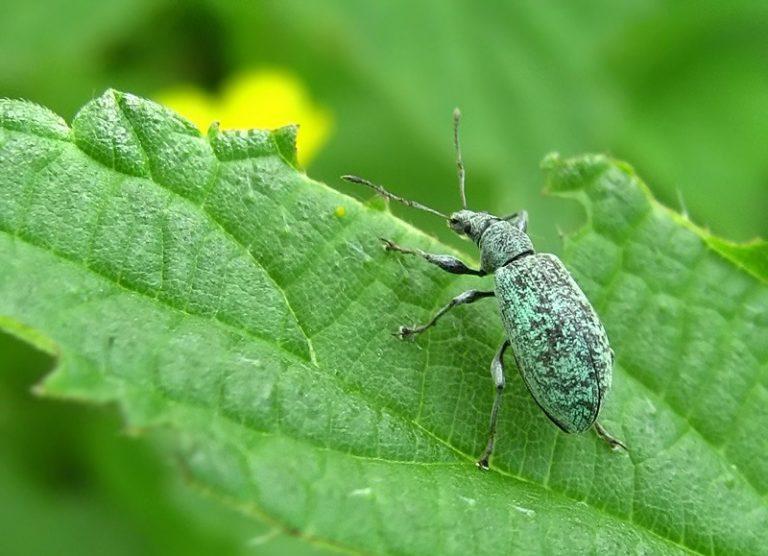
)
(467, 229)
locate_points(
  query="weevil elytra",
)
(558, 342)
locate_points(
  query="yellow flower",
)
(260, 99)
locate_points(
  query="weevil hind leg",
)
(447, 263)
(497, 373)
(612, 441)
(469, 296)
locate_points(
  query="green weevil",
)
(559, 344)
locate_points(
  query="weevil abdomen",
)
(559, 343)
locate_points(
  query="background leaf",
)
(681, 92)
(213, 290)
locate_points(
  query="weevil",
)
(557, 340)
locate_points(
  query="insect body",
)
(559, 344)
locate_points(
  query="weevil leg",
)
(497, 372)
(519, 220)
(446, 262)
(613, 442)
(469, 296)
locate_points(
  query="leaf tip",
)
(102, 131)
(285, 139)
(24, 115)
(213, 130)
(246, 143)
(567, 175)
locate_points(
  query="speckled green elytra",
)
(559, 344)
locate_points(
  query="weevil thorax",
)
(500, 240)
(501, 243)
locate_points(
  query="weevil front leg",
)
(469, 296)
(497, 372)
(613, 442)
(446, 262)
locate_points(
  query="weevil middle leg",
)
(446, 262)
(469, 296)
(497, 372)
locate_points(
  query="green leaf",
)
(213, 290)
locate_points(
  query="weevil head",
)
(500, 239)
(470, 223)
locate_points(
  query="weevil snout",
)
(470, 223)
(459, 224)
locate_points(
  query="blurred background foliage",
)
(680, 90)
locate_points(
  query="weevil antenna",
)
(384, 193)
(459, 161)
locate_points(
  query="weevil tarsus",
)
(447, 263)
(612, 441)
(464, 298)
(497, 373)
